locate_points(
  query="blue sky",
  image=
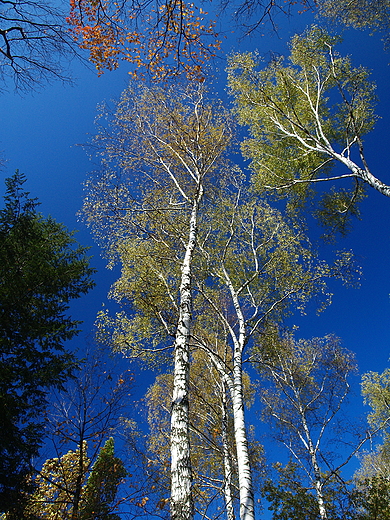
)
(40, 131)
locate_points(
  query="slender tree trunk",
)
(316, 469)
(318, 484)
(227, 463)
(79, 481)
(181, 474)
(235, 386)
(247, 507)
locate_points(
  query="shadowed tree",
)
(35, 43)
(41, 272)
(89, 411)
(372, 478)
(372, 494)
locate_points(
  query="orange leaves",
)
(174, 38)
(143, 502)
(162, 503)
(95, 33)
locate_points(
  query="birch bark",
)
(227, 462)
(247, 509)
(181, 478)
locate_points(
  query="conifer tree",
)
(41, 270)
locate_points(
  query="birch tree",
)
(306, 385)
(162, 156)
(305, 116)
(251, 269)
(261, 268)
(213, 453)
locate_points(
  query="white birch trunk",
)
(247, 508)
(312, 448)
(235, 385)
(316, 469)
(227, 463)
(181, 474)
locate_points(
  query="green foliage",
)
(156, 149)
(305, 115)
(40, 273)
(373, 499)
(372, 494)
(268, 259)
(161, 150)
(373, 15)
(376, 393)
(57, 496)
(102, 485)
(289, 499)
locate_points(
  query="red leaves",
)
(174, 39)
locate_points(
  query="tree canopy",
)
(42, 270)
(306, 116)
(35, 45)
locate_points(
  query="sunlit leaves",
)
(373, 15)
(57, 484)
(160, 147)
(376, 392)
(162, 40)
(306, 115)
